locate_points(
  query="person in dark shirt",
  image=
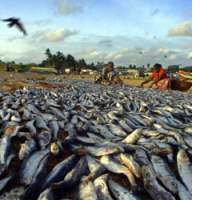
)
(106, 71)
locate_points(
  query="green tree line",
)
(60, 62)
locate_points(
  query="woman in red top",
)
(158, 78)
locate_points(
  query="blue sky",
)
(97, 30)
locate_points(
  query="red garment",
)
(162, 74)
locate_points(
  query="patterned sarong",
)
(163, 84)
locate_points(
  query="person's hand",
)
(141, 85)
(110, 83)
(151, 85)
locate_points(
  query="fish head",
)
(100, 183)
(170, 184)
(182, 156)
(12, 130)
(23, 152)
(147, 173)
(44, 138)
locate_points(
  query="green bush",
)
(21, 68)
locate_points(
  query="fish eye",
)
(147, 175)
(174, 184)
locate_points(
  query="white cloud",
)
(124, 51)
(172, 57)
(66, 7)
(93, 53)
(163, 50)
(183, 29)
(126, 56)
(114, 56)
(57, 35)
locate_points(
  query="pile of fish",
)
(86, 141)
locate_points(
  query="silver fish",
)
(121, 193)
(133, 137)
(117, 168)
(185, 169)
(164, 174)
(156, 191)
(87, 191)
(101, 188)
(130, 163)
(54, 126)
(104, 149)
(31, 127)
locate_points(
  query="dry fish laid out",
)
(87, 141)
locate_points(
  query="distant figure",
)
(158, 78)
(108, 74)
(15, 22)
(8, 67)
(107, 69)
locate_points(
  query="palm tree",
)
(82, 63)
(71, 62)
(49, 56)
(56, 60)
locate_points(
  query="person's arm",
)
(146, 81)
(103, 73)
(110, 78)
(114, 74)
(154, 82)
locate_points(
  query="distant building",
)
(132, 71)
(87, 72)
(122, 71)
